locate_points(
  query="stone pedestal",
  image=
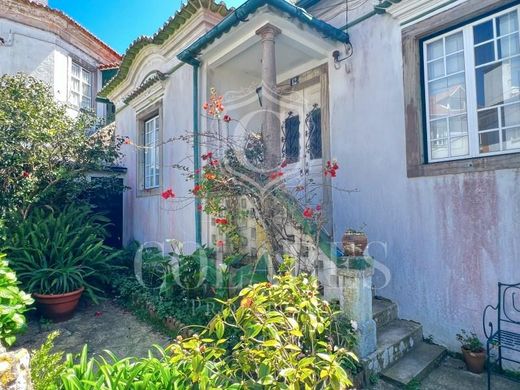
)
(355, 282)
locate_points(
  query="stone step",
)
(384, 311)
(393, 341)
(415, 365)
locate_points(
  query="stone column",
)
(271, 125)
(355, 282)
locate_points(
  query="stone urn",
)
(354, 243)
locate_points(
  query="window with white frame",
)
(472, 89)
(151, 153)
(80, 94)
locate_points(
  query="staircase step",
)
(416, 364)
(393, 341)
(385, 311)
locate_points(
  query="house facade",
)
(418, 101)
(47, 44)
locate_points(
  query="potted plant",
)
(59, 255)
(354, 242)
(472, 351)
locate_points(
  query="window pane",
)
(292, 138)
(435, 50)
(459, 146)
(489, 85)
(455, 63)
(458, 125)
(86, 90)
(488, 119)
(85, 102)
(489, 142)
(86, 77)
(485, 53)
(438, 129)
(454, 43)
(76, 71)
(440, 148)
(507, 23)
(436, 69)
(314, 129)
(511, 138)
(74, 85)
(483, 32)
(511, 115)
(74, 98)
(509, 46)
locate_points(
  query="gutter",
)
(379, 9)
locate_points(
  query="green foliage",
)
(470, 341)
(284, 342)
(46, 365)
(13, 303)
(45, 153)
(56, 252)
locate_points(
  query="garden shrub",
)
(46, 365)
(282, 339)
(56, 252)
(13, 304)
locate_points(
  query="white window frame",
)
(151, 153)
(81, 83)
(471, 88)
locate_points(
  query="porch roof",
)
(241, 14)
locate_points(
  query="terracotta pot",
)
(475, 361)
(354, 244)
(58, 307)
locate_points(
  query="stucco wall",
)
(449, 239)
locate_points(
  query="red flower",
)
(199, 207)
(210, 176)
(207, 155)
(331, 168)
(220, 243)
(275, 175)
(308, 212)
(318, 208)
(284, 163)
(197, 171)
(25, 174)
(221, 221)
(168, 194)
(205, 106)
(227, 118)
(213, 163)
(98, 314)
(196, 189)
(127, 141)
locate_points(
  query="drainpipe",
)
(196, 150)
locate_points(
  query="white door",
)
(302, 149)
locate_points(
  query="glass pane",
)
(483, 32)
(455, 63)
(509, 46)
(511, 138)
(85, 102)
(438, 98)
(74, 98)
(489, 142)
(75, 70)
(454, 43)
(459, 146)
(488, 119)
(86, 90)
(435, 50)
(75, 85)
(507, 23)
(438, 129)
(314, 128)
(458, 125)
(439, 148)
(511, 115)
(86, 77)
(292, 139)
(512, 70)
(489, 85)
(436, 69)
(485, 53)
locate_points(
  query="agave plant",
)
(56, 252)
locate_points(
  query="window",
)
(472, 89)
(80, 87)
(151, 153)
(291, 138)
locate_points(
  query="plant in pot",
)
(58, 255)
(472, 351)
(354, 242)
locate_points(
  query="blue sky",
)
(119, 22)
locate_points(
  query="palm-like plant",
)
(56, 252)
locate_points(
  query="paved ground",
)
(452, 375)
(103, 326)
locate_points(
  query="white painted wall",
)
(449, 239)
(42, 55)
